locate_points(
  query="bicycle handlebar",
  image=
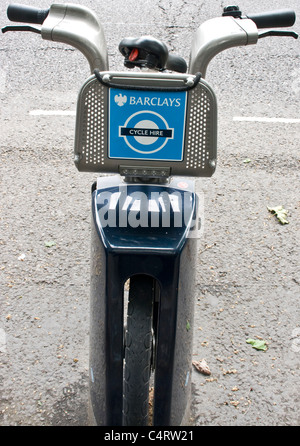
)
(79, 27)
(274, 19)
(26, 14)
(67, 23)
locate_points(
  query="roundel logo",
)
(146, 132)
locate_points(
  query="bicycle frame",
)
(145, 224)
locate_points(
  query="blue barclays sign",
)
(146, 125)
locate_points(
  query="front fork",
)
(142, 229)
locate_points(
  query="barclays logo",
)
(120, 99)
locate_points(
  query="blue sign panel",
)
(146, 125)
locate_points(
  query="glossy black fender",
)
(142, 229)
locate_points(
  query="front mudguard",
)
(142, 229)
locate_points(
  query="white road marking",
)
(235, 118)
(52, 113)
(262, 119)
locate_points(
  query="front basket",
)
(152, 125)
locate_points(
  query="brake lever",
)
(278, 33)
(33, 29)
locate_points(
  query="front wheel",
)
(138, 351)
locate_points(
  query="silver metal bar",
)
(216, 35)
(79, 27)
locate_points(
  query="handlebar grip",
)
(274, 19)
(27, 14)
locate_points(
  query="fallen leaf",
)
(202, 367)
(49, 244)
(257, 344)
(280, 213)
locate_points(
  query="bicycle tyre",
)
(138, 350)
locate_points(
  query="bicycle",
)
(154, 131)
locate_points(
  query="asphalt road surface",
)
(248, 281)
